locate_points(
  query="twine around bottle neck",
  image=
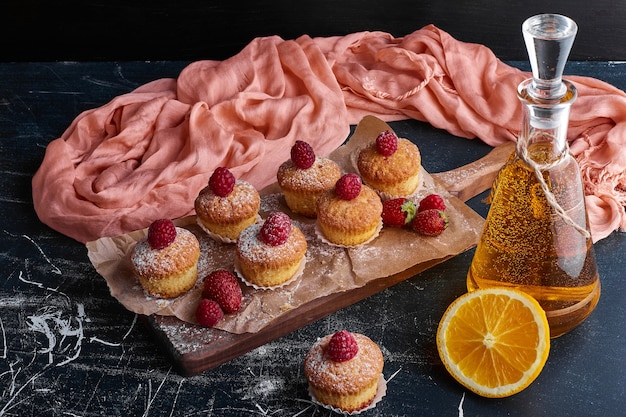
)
(522, 152)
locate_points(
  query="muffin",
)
(350, 213)
(271, 252)
(343, 370)
(166, 260)
(304, 177)
(226, 206)
(390, 165)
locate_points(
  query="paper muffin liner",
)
(320, 236)
(415, 195)
(237, 270)
(217, 237)
(381, 390)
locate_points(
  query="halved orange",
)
(494, 341)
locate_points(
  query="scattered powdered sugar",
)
(208, 246)
(272, 202)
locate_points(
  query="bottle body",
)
(527, 245)
(536, 236)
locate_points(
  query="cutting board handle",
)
(472, 179)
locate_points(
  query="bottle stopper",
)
(549, 39)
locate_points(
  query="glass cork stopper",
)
(549, 39)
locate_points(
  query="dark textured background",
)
(67, 348)
(36, 30)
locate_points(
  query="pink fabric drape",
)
(146, 154)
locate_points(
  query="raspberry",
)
(222, 286)
(161, 233)
(276, 229)
(432, 201)
(348, 187)
(302, 154)
(222, 182)
(342, 346)
(386, 143)
(208, 313)
(398, 212)
(431, 222)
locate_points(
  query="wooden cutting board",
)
(194, 349)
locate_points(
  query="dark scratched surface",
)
(67, 348)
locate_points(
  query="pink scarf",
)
(146, 154)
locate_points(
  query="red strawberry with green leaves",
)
(431, 222)
(398, 212)
(432, 201)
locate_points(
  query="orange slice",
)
(494, 341)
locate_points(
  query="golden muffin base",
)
(170, 286)
(302, 187)
(397, 175)
(269, 266)
(228, 216)
(167, 272)
(229, 231)
(302, 203)
(349, 222)
(350, 385)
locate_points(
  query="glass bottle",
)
(536, 235)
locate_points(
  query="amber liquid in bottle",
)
(526, 245)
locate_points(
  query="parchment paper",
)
(329, 269)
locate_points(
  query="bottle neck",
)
(545, 121)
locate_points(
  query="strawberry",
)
(342, 346)
(432, 201)
(386, 143)
(348, 187)
(276, 229)
(302, 154)
(208, 313)
(222, 286)
(398, 212)
(222, 182)
(431, 222)
(161, 233)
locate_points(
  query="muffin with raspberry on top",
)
(226, 206)
(343, 370)
(304, 177)
(390, 165)
(166, 260)
(350, 213)
(271, 252)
